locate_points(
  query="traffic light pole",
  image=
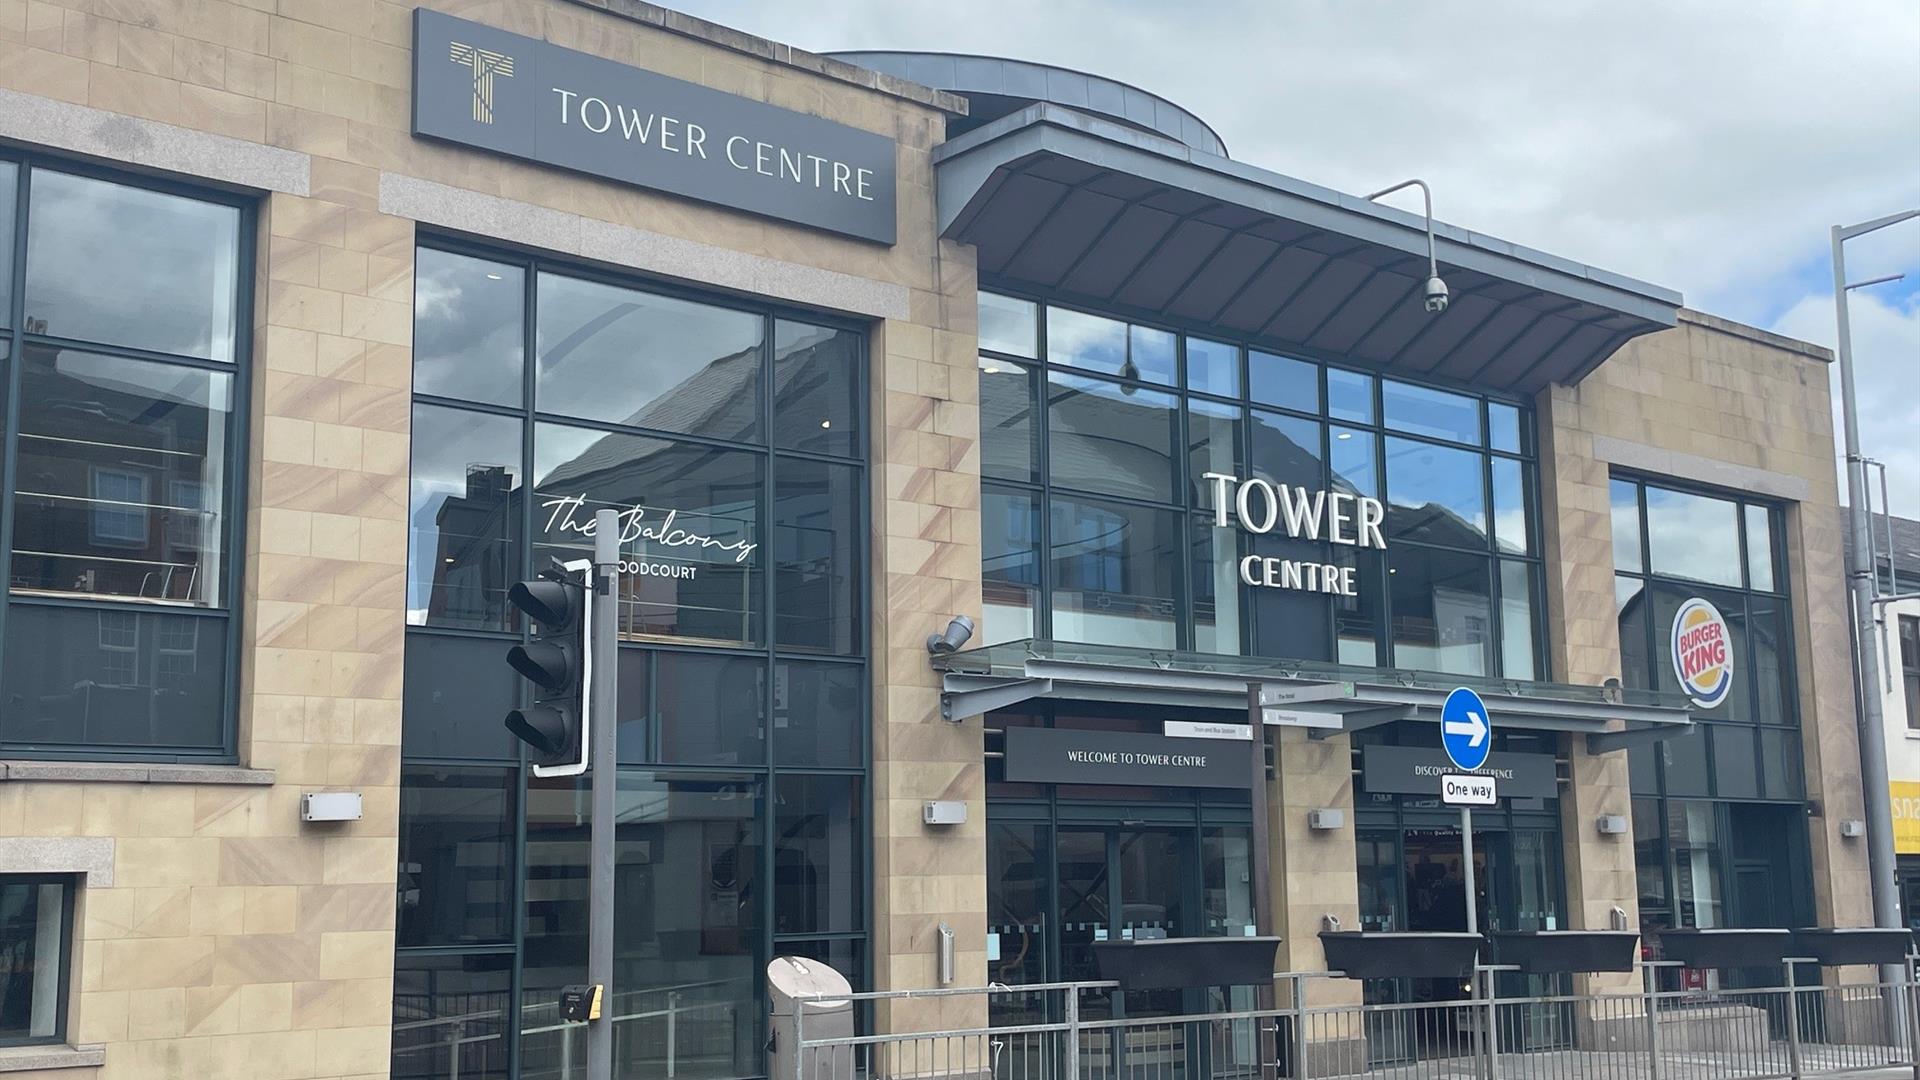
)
(603, 731)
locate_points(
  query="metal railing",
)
(1066, 1031)
(661, 1030)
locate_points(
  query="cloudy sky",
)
(1707, 147)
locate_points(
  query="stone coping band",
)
(134, 772)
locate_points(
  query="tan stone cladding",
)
(1708, 402)
(235, 942)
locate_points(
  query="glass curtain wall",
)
(1098, 527)
(1710, 803)
(123, 344)
(730, 440)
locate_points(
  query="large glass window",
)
(468, 316)
(114, 264)
(1675, 550)
(1126, 462)
(452, 1016)
(456, 855)
(36, 936)
(1010, 563)
(1114, 572)
(120, 526)
(730, 438)
(687, 949)
(640, 359)
(1109, 437)
(464, 519)
(690, 517)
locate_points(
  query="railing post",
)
(1300, 1027)
(673, 1023)
(1793, 1021)
(453, 1050)
(1910, 1006)
(1652, 981)
(1073, 1033)
(1493, 1026)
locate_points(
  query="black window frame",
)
(1187, 506)
(70, 890)
(769, 651)
(1909, 646)
(14, 340)
(1652, 792)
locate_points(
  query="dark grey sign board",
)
(1065, 756)
(1410, 770)
(531, 99)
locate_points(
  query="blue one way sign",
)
(1464, 730)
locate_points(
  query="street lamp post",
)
(1860, 584)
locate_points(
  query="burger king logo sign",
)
(1702, 653)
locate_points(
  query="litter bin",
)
(799, 982)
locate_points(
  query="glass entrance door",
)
(1125, 884)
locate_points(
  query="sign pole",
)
(603, 735)
(1466, 868)
(1260, 856)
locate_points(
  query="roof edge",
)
(1073, 122)
(1753, 333)
(1043, 65)
(726, 37)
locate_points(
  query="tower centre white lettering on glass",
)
(675, 135)
(1260, 507)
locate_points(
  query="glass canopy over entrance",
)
(1331, 699)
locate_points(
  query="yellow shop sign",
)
(1906, 817)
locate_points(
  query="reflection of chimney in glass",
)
(475, 532)
(487, 481)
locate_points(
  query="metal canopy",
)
(1142, 225)
(1350, 699)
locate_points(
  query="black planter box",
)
(1726, 948)
(1548, 952)
(1182, 963)
(1393, 955)
(1863, 945)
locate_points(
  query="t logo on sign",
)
(485, 65)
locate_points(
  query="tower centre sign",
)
(531, 99)
(1260, 507)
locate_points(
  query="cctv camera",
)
(1436, 291)
(959, 630)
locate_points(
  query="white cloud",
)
(1886, 356)
(1699, 145)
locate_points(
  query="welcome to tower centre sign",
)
(531, 99)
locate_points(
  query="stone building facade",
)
(779, 772)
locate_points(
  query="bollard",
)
(1793, 1021)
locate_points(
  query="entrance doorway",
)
(1412, 879)
(1056, 890)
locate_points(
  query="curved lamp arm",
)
(1433, 261)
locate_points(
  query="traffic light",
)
(557, 662)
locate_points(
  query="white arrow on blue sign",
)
(1464, 729)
